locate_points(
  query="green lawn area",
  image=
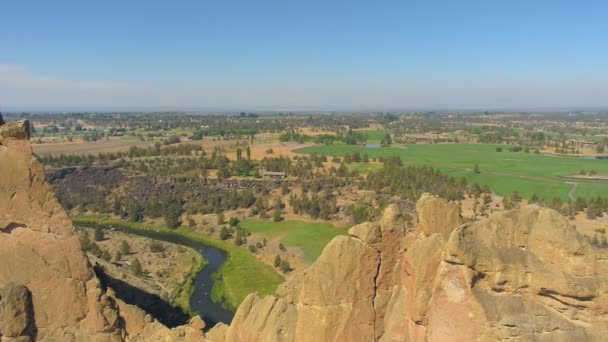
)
(363, 167)
(240, 275)
(373, 136)
(310, 237)
(503, 171)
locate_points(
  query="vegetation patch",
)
(310, 237)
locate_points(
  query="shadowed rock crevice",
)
(152, 304)
(11, 226)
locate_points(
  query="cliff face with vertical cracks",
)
(39, 250)
(520, 275)
(48, 291)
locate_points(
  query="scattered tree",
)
(136, 267)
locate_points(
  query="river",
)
(200, 301)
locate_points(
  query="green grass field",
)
(241, 274)
(504, 172)
(310, 237)
(373, 136)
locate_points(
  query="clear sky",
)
(351, 55)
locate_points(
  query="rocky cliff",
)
(520, 275)
(48, 291)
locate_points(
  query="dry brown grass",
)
(120, 145)
(258, 150)
(93, 147)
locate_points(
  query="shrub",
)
(277, 261)
(156, 247)
(98, 235)
(136, 267)
(234, 221)
(224, 233)
(239, 238)
(124, 247)
(284, 266)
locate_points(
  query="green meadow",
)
(373, 136)
(504, 172)
(310, 237)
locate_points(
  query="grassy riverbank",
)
(182, 294)
(239, 276)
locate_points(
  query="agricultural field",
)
(504, 172)
(121, 144)
(310, 237)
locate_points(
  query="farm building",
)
(274, 174)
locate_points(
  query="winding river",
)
(200, 301)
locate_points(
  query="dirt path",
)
(572, 191)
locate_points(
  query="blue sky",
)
(304, 54)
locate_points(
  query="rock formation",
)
(520, 275)
(48, 291)
(40, 251)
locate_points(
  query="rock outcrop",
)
(520, 275)
(40, 251)
(48, 289)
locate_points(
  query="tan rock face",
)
(39, 249)
(437, 216)
(58, 297)
(521, 275)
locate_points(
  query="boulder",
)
(16, 313)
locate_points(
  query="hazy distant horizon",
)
(304, 56)
(194, 110)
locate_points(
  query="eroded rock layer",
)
(520, 275)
